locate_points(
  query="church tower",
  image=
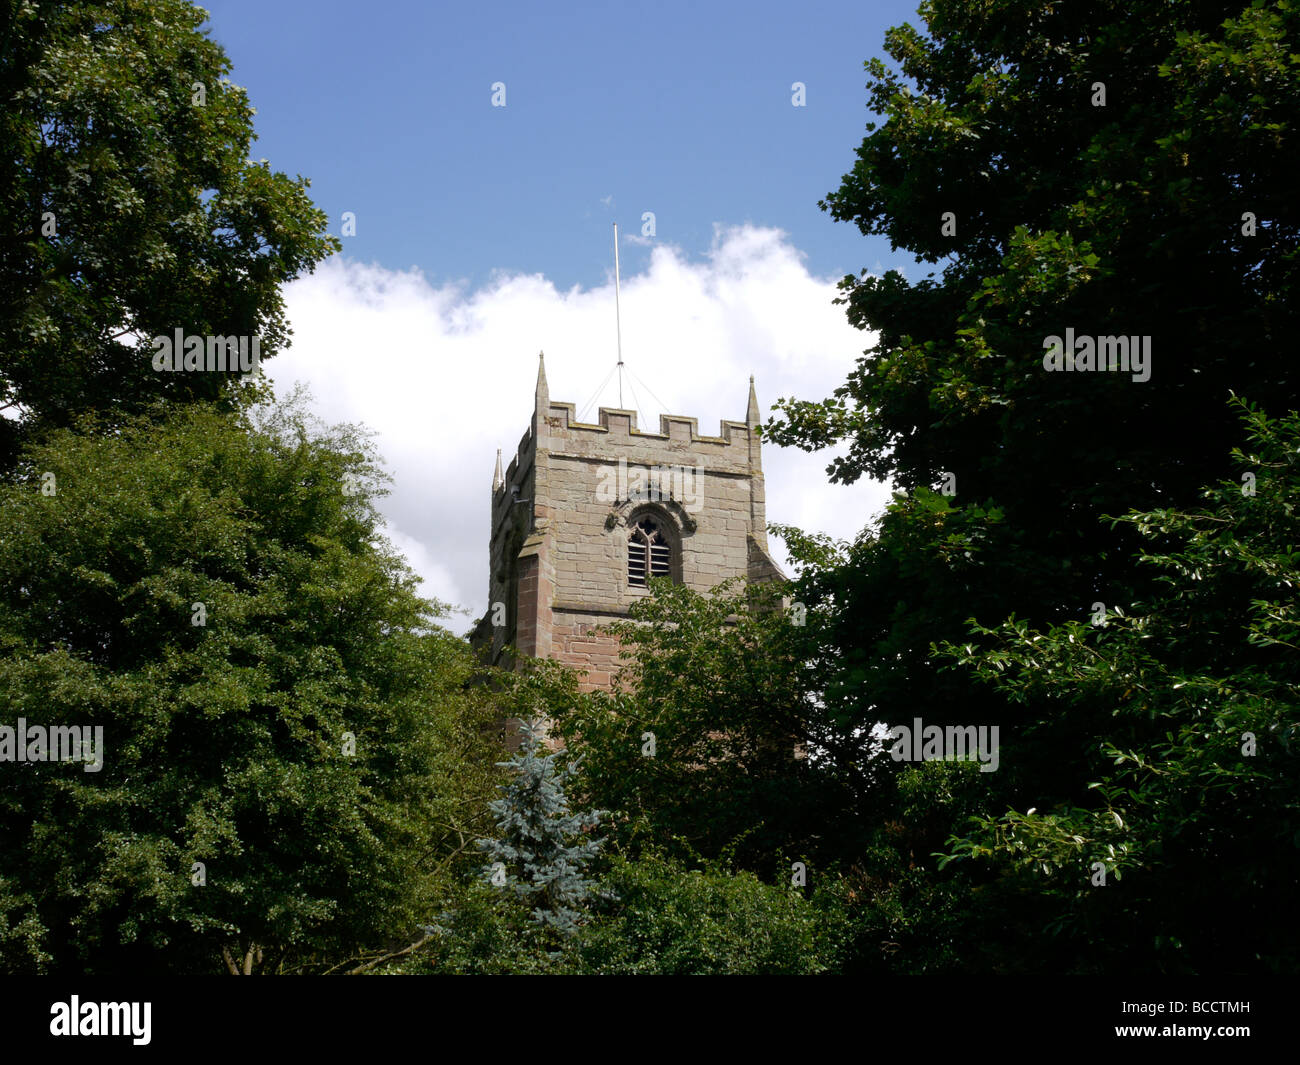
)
(585, 513)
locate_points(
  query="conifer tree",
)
(542, 848)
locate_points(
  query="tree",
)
(669, 919)
(291, 757)
(129, 209)
(1110, 170)
(1186, 853)
(717, 740)
(995, 119)
(542, 848)
(1114, 170)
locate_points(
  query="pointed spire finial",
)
(497, 479)
(751, 414)
(542, 398)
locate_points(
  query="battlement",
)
(617, 435)
(616, 424)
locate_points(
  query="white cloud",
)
(446, 374)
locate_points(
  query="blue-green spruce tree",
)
(543, 848)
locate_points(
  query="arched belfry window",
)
(649, 553)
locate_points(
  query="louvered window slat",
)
(635, 563)
(659, 560)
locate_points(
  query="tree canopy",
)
(129, 208)
(277, 704)
(1187, 712)
(1108, 169)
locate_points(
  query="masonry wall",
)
(510, 529)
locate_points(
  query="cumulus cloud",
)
(445, 376)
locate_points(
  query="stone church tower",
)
(584, 513)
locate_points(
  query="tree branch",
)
(388, 957)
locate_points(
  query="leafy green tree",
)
(1115, 169)
(717, 741)
(656, 916)
(294, 763)
(1186, 855)
(129, 208)
(482, 931)
(542, 848)
(1111, 169)
(672, 920)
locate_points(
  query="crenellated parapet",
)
(617, 428)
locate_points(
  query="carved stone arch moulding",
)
(621, 514)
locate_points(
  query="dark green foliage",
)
(673, 920)
(160, 219)
(1120, 219)
(902, 916)
(656, 916)
(717, 741)
(484, 931)
(1186, 711)
(1169, 213)
(225, 742)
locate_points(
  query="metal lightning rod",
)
(618, 321)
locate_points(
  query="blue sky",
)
(484, 234)
(683, 109)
